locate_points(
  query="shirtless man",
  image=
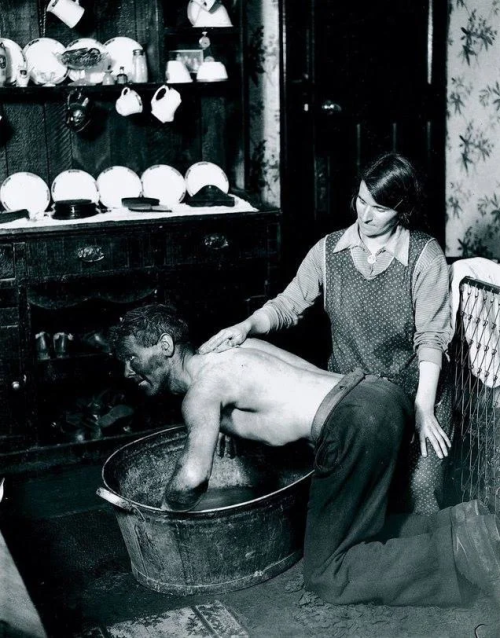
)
(355, 422)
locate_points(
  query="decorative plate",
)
(205, 174)
(74, 184)
(25, 190)
(117, 182)
(42, 59)
(15, 59)
(96, 75)
(121, 52)
(164, 183)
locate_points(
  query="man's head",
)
(150, 340)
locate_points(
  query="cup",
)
(69, 11)
(211, 71)
(129, 102)
(164, 103)
(207, 16)
(177, 73)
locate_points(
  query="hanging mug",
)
(129, 102)
(68, 11)
(164, 103)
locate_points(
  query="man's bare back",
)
(266, 394)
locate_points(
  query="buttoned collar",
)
(398, 245)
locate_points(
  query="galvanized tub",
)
(217, 549)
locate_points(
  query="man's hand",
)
(225, 339)
(428, 428)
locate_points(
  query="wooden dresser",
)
(78, 279)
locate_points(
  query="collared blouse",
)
(430, 286)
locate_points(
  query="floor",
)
(69, 550)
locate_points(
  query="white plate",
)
(96, 76)
(43, 65)
(117, 182)
(164, 183)
(15, 59)
(121, 52)
(205, 174)
(25, 190)
(74, 184)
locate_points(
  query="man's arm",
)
(201, 410)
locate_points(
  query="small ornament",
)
(204, 40)
(108, 79)
(122, 77)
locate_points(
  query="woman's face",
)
(374, 220)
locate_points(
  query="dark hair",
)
(148, 323)
(393, 182)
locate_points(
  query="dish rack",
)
(476, 363)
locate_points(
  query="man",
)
(355, 422)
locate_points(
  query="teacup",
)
(164, 103)
(177, 72)
(129, 102)
(211, 71)
(207, 16)
(69, 11)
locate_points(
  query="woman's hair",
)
(393, 182)
(148, 323)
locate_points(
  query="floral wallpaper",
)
(263, 64)
(473, 130)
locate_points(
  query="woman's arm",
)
(282, 312)
(432, 336)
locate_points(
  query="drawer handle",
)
(215, 241)
(90, 254)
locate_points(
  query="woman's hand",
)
(225, 339)
(428, 428)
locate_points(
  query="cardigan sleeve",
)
(288, 307)
(433, 331)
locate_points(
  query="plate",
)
(96, 76)
(205, 174)
(25, 190)
(117, 182)
(121, 52)
(74, 184)
(15, 59)
(164, 183)
(43, 65)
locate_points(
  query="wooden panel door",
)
(359, 79)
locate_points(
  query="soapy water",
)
(218, 497)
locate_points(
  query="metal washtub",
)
(216, 549)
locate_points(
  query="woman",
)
(385, 289)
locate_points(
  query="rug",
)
(211, 620)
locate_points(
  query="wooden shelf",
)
(197, 31)
(37, 92)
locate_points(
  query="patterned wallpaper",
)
(263, 64)
(473, 130)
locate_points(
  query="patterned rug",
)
(204, 621)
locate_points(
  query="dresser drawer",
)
(219, 244)
(56, 257)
